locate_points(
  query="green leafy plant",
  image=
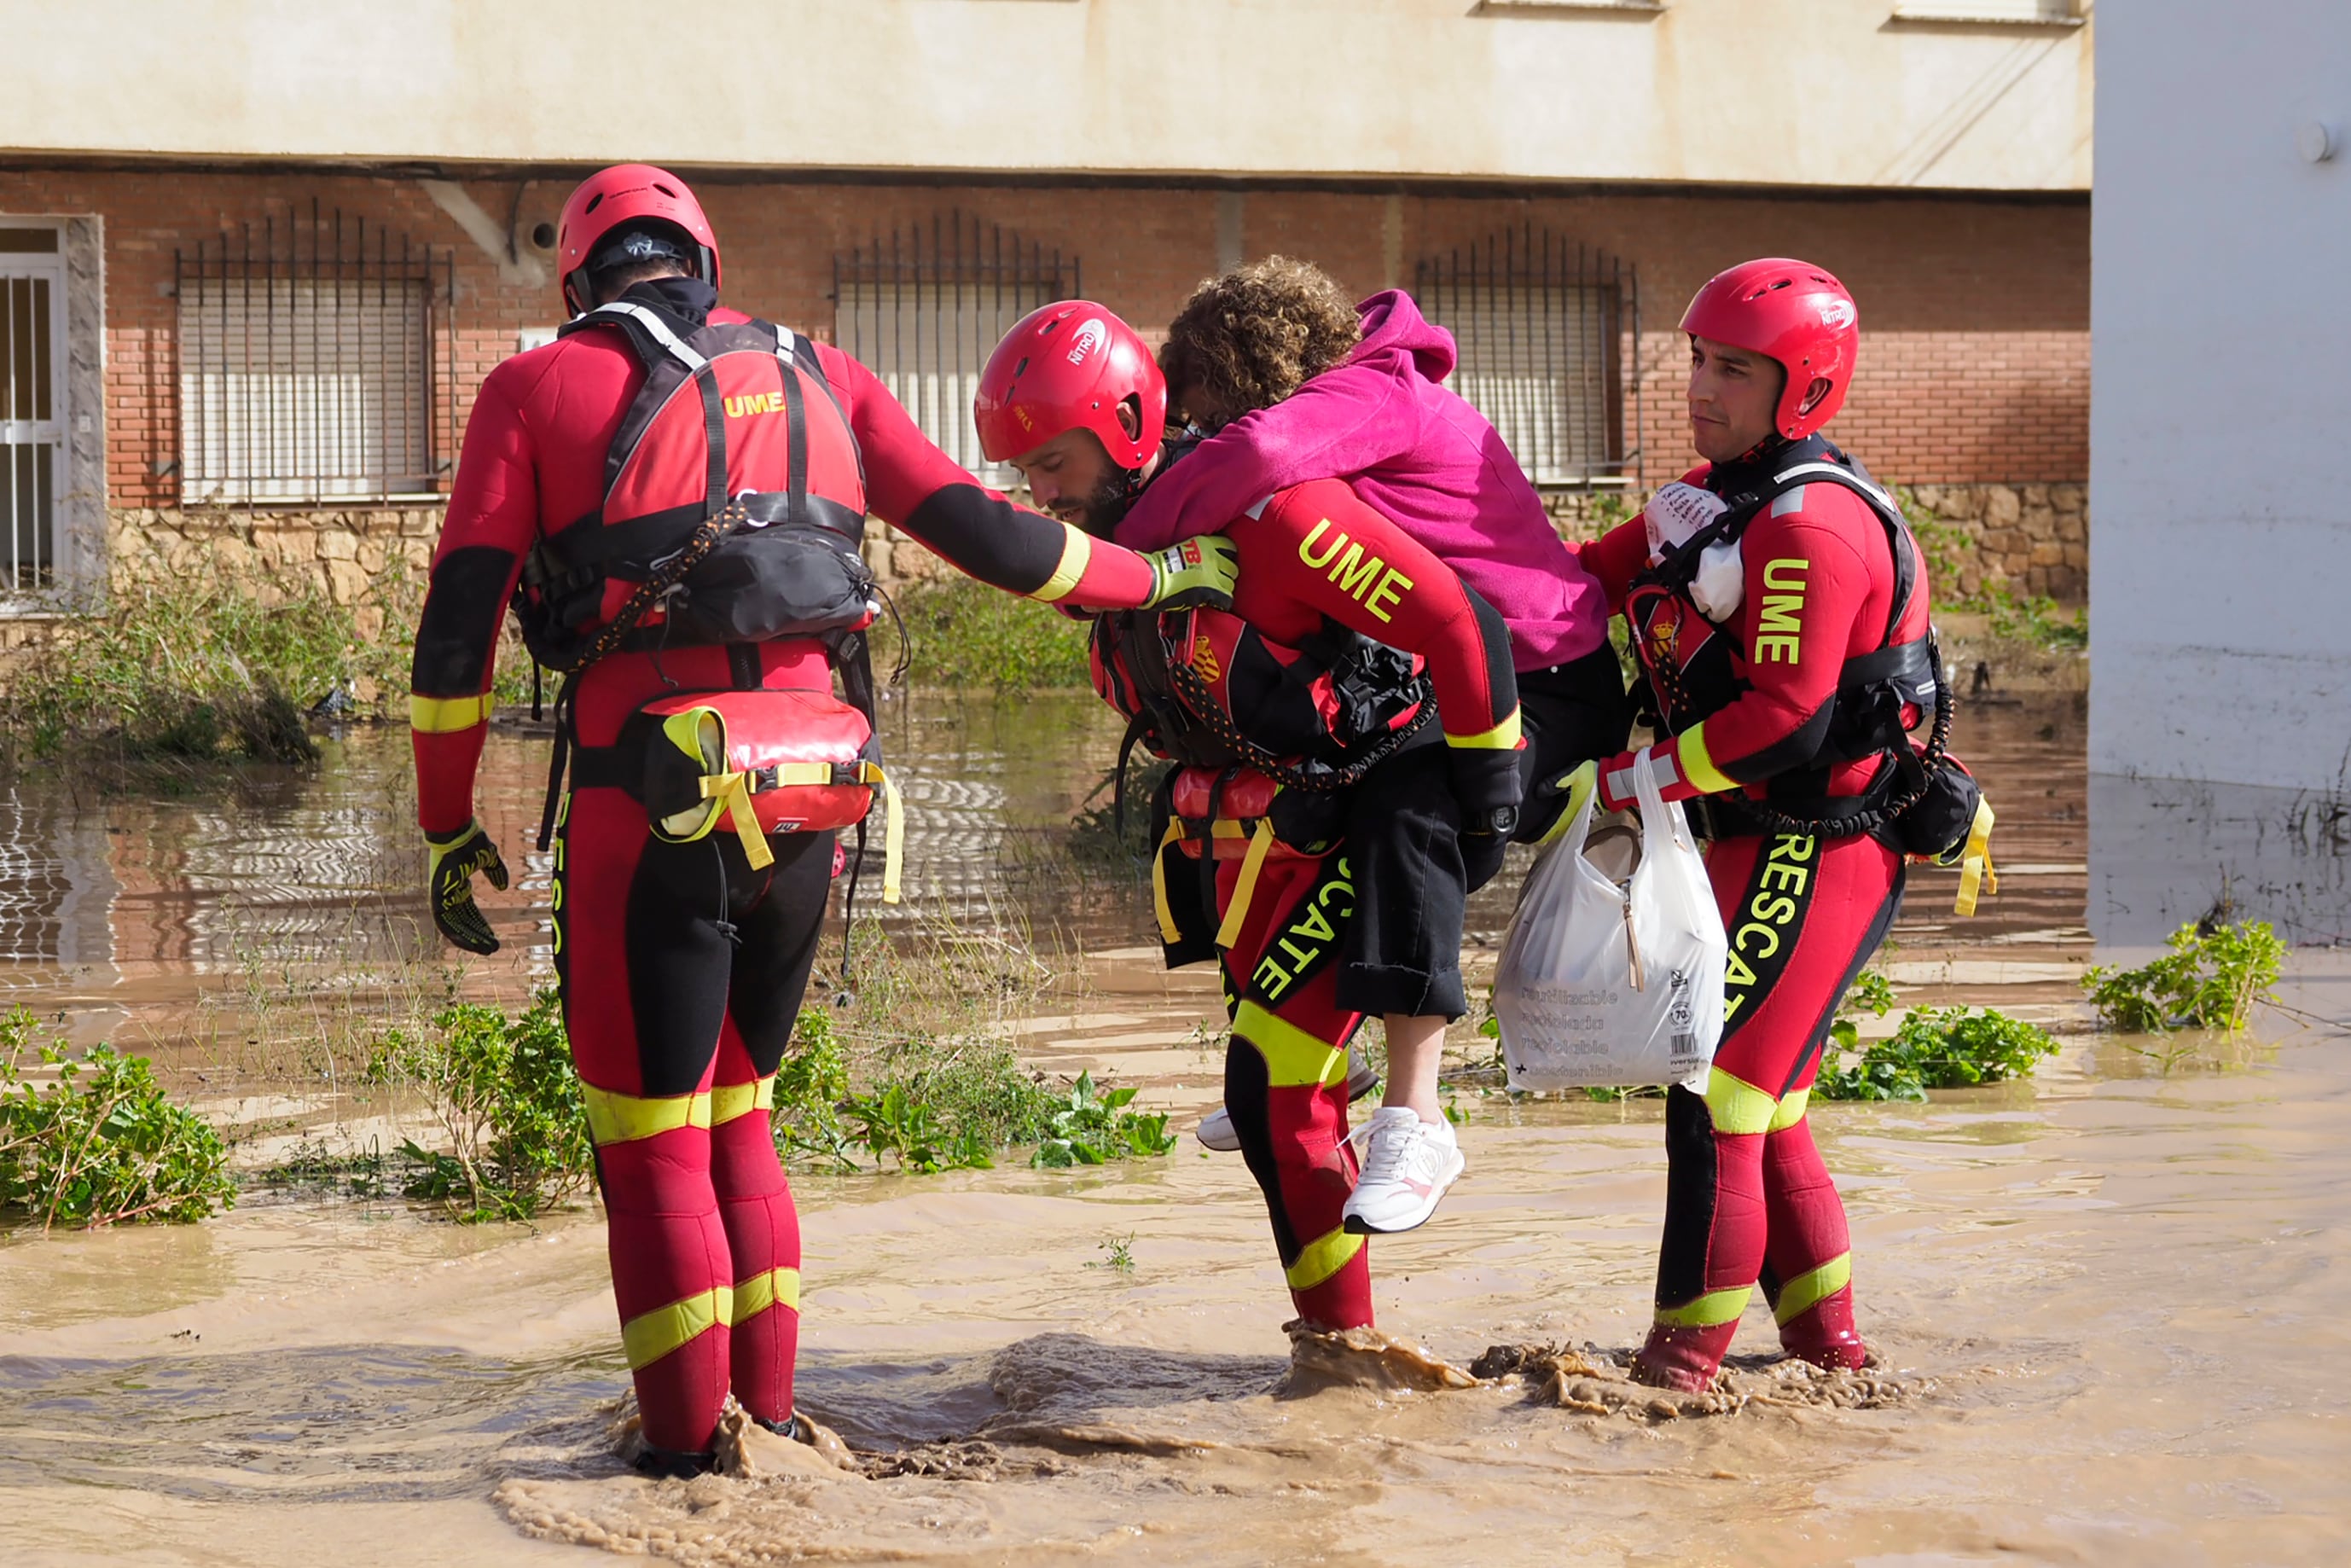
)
(1119, 1254)
(1089, 1128)
(1934, 1048)
(2210, 978)
(892, 1122)
(506, 1096)
(101, 1142)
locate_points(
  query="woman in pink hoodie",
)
(1289, 382)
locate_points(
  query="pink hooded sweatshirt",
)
(1414, 449)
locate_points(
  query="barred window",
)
(32, 403)
(306, 364)
(923, 311)
(1545, 330)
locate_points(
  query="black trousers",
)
(1415, 868)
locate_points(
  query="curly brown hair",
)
(1249, 338)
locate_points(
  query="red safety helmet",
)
(1070, 366)
(1797, 314)
(615, 198)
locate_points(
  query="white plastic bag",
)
(1612, 983)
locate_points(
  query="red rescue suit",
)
(1749, 1198)
(1280, 892)
(683, 965)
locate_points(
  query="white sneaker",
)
(1215, 1129)
(1408, 1164)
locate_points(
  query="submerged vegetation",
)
(2210, 978)
(902, 1073)
(502, 1089)
(97, 1140)
(1934, 1048)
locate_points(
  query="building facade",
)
(247, 319)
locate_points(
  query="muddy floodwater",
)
(2109, 1303)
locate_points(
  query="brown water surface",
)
(2106, 1302)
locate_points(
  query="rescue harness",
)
(1922, 802)
(671, 561)
(1264, 737)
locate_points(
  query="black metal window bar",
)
(307, 362)
(32, 405)
(1547, 330)
(923, 312)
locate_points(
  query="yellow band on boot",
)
(1707, 1311)
(1322, 1258)
(652, 1335)
(1809, 1289)
(776, 1287)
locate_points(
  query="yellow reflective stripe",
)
(1322, 1258)
(1503, 736)
(1807, 1291)
(1076, 550)
(624, 1118)
(1975, 862)
(893, 835)
(1737, 1106)
(654, 1335)
(776, 1287)
(1245, 885)
(731, 792)
(1790, 1111)
(446, 715)
(1167, 930)
(729, 1101)
(1293, 1057)
(1714, 1307)
(1697, 762)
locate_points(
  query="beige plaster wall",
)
(1800, 92)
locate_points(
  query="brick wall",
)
(1975, 313)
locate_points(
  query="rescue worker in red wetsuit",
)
(683, 938)
(1344, 633)
(1784, 629)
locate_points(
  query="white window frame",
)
(56, 431)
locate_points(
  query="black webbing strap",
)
(713, 428)
(796, 447)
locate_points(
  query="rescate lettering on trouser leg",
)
(1285, 1083)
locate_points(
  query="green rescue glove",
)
(449, 867)
(1200, 570)
(1575, 788)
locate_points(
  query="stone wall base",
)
(2030, 540)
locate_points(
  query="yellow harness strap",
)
(1975, 862)
(1245, 886)
(893, 827)
(732, 791)
(1174, 835)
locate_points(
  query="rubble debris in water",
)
(1595, 1382)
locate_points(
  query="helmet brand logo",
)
(1020, 412)
(1091, 337)
(1836, 314)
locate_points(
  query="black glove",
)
(450, 864)
(1488, 785)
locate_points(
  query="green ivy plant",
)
(2210, 978)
